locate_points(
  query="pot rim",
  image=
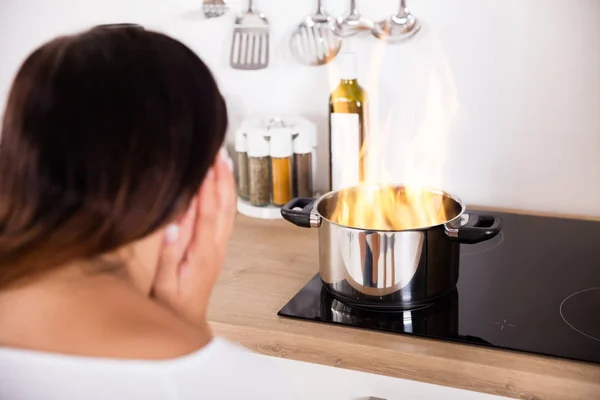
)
(451, 221)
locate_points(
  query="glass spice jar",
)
(281, 166)
(259, 163)
(303, 164)
(243, 178)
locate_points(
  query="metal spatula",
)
(313, 42)
(250, 44)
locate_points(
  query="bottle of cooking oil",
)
(348, 115)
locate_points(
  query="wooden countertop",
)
(270, 261)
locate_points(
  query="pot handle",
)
(303, 217)
(478, 228)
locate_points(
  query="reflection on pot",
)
(385, 262)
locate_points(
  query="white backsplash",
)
(496, 101)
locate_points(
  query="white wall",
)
(495, 100)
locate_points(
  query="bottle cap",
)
(275, 123)
(303, 142)
(258, 144)
(241, 141)
(281, 142)
(348, 66)
(309, 128)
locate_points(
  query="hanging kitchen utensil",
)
(250, 44)
(399, 27)
(214, 8)
(352, 23)
(313, 42)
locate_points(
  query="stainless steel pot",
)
(390, 268)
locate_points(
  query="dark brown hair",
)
(106, 137)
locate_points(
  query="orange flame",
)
(389, 208)
(378, 204)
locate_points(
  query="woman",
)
(115, 209)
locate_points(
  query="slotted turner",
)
(313, 42)
(250, 44)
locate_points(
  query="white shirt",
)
(220, 370)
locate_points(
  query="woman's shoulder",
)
(217, 370)
(229, 371)
(158, 335)
(120, 325)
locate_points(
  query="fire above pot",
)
(390, 246)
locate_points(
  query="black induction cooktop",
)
(534, 288)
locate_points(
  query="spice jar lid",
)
(281, 142)
(241, 141)
(258, 144)
(303, 142)
(306, 139)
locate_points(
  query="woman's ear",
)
(225, 157)
(172, 231)
(190, 213)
